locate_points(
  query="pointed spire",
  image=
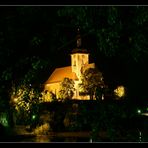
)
(78, 38)
(79, 48)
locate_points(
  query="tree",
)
(92, 81)
(114, 32)
(47, 96)
(25, 100)
(66, 89)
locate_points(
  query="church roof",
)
(79, 50)
(60, 73)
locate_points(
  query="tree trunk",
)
(91, 96)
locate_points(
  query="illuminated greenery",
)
(120, 91)
(4, 119)
(42, 130)
(47, 96)
(92, 82)
(66, 89)
(25, 101)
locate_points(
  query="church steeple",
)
(79, 56)
(79, 48)
(79, 40)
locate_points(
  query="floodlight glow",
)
(139, 111)
(33, 117)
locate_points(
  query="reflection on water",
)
(128, 136)
(45, 138)
(41, 139)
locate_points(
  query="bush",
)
(42, 129)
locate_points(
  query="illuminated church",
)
(79, 63)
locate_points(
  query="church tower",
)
(79, 56)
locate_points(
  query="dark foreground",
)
(82, 137)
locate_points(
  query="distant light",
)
(34, 116)
(90, 140)
(139, 111)
(145, 114)
(140, 136)
(103, 97)
(15, 99)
